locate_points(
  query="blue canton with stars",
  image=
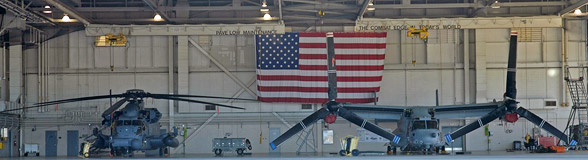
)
(277, 51)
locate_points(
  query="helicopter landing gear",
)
(164, 152)
(218, 152)
(391, 150)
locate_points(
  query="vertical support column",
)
(170, 79)
(466, 66)
(564, 64)
(15, 70)
(183, 71)
(4, 80)
(481, 83)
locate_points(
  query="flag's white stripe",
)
(313, 40)
(358, 51)
(312, 62)
(358, 73)
(312, 50)
(315, 95)
(359, 40)
(271, 83)
(359, 62)
(318, 73)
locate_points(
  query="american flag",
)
(293, 67)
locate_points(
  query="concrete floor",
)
(474, 156)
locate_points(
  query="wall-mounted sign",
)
(367, 136)
(328, 136)
(383, 25)
(186, 30)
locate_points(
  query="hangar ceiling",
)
(293, 12)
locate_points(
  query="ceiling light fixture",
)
(371, 9)
(577, 11)
(264, 4)
(47, 6)
(157, 17)
(65, 18)
(264, 10)
(47, 12)
(495, 4)
(267, 16)
(371, 3)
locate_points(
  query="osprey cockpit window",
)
(425, 124)
(432, 124)
(419, 125)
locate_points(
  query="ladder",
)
(305, 140)
(579, 97)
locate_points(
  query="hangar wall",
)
(80, 69)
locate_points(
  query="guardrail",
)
(7, 105)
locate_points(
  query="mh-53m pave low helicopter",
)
(131, 127)
(418, 126)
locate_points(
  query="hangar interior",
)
(46, 57)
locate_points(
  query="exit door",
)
(273, 134)
(457, 144)
(73, 144)
(50, 143)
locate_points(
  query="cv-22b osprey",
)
(418, 127)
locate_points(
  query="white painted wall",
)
(83, 70)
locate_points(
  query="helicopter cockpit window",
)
(432, 125)
(418, 125)
(130, 122)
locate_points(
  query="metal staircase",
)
(306, 141)
(579, 97)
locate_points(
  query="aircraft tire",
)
(355, 152)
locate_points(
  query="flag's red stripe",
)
(359, 79)
(313, 45)
(344, 56)
(360, 45)
(360, 68)
(315, 89)
(312, 56)
(343, 67)
(359, 56)
(316, 78)
(360, 34)
(291, 89)
(312, 100)
(313, 34)
(291, 78)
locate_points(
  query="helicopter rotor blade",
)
(114, 107)
(37, 105)
(79, 99)
(331, 68)
(199, 96)
(511, 71)
(363, 123)
(310, 120)
(476, 124)
(194, 101)
(545, 125)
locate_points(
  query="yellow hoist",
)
(111, 40)
(423, 34)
